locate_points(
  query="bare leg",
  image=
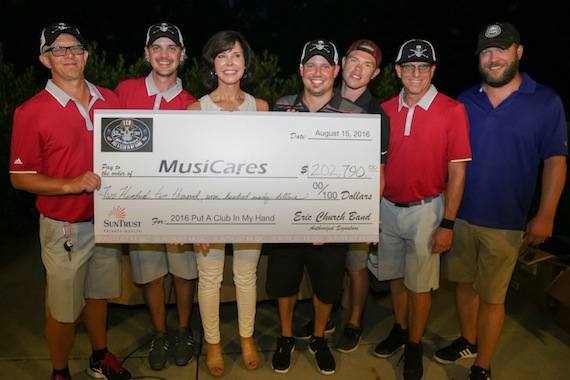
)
(60, 340)
(95, 320)
(490, 324)
(322, 315)
(399, 295)
(185, 290)
(153, 293)
(467, 306)
(358, 294)
(420, 304)
(286, 308)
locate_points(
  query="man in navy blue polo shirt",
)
(515, 125)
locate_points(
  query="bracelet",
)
(447, 223)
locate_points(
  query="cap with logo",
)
(50, 34)
(321, 47)
(164, 29)
(416, 50)
(367, 46)
(498, 34)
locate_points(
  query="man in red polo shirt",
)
(161, 89)
(52, 156)
(424, 178)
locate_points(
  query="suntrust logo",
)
(116, 219)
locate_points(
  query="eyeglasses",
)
(409, 68)
(60, 51)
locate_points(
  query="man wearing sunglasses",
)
(52, 157)
(424, 177)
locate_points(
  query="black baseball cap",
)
(322, 47)
(416, 50)
(498, 34)
(164, 29)
(50, 34)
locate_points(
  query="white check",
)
(227, 177)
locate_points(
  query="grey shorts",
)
(357, 256)
(152, 261)
(484, 257)
(404, 246)
(94, 271)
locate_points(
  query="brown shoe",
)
(215, 359)
(249, 353)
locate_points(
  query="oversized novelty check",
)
(221, 177)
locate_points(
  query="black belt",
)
(415, 203)
(90, 220)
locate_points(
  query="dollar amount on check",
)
(226, 177)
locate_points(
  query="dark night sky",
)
(282, 27)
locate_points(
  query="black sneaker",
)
(413, 366)
(281, 361)
(350, 338)
(325, 360)
(306, 331)
(108, 368)
(158, 353)
(478, 373)
(460, 348)
(184, 350)
(394, 342)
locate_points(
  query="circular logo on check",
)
(127, 134)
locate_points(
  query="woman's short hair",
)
(221, 42)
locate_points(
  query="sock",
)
(99, 355)
(63, 372)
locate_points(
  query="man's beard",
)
(508, 75)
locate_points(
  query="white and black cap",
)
(322, 47)
(416, 50)
(164, 29)
(50, 34)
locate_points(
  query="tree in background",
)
(17, 210)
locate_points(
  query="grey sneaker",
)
(158, 354)
(184, 350)
(460, 348)
(350, 338)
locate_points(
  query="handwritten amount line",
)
(339, 177)
(219, 199)
(195, 176)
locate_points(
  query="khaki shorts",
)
(484, 257)
(404, 247)
(152, 261)
(93, 272)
